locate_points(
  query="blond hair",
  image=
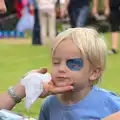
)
(90, 43)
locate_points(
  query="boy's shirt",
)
(98, 104)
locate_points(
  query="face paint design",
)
(75, 64)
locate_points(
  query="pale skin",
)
(115, 116)
(2, 6)
(114, 35)
(82, 80)
(64, 9)
(7, 102)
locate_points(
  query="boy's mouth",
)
(62, 81)
(62, 78)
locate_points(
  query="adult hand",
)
(50, 88)
(63, 12)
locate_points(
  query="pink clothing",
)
(24, 2)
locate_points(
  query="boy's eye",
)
(75, 64)
(55, 62)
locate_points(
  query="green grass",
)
(16, 60)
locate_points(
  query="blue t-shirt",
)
(98, 104)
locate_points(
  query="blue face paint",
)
(75, 64)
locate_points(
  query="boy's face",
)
(68, 66)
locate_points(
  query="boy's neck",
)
(70, 98)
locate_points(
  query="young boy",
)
(79, 57)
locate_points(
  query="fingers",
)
(56, 90)
(45, 90)
(41, 70)
(50, 88)
(63, 12)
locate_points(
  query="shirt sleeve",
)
(114, 102)
(44, 111)
(42, 115)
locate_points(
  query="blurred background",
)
(22, 46)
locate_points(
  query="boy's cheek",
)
(60, 82)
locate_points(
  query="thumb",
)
(41, 70)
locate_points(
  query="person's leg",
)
(73, 16)
(115, 24)
(52, 26)
(114, 40)
(82, 16)
(43, 25)
(2, 6)
(36, 35)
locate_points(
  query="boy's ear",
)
(95, 74)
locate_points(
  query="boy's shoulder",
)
(104, 93)
(50, 100)
(108, 97)
(51, 97)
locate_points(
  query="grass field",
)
(16, 58)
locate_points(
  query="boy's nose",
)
(2, 6)
(62, 68)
